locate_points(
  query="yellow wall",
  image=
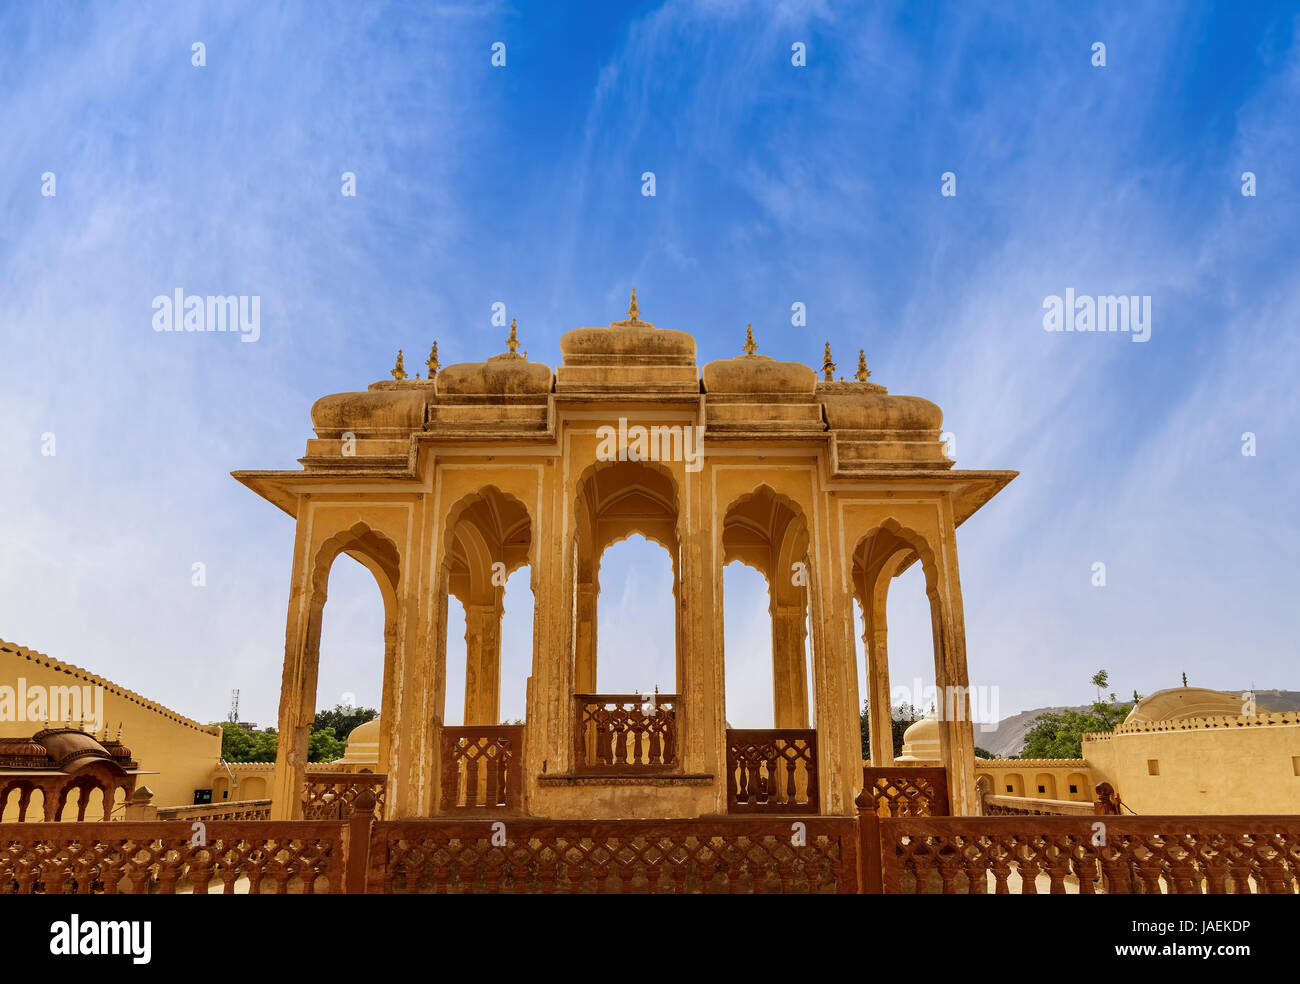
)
(182, 751)
(1220, 765)
(1024, 776)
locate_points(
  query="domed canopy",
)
(70, 749)
(921, 742)
(363, 744)
(1177, 703)
(508, 374)
(759, 374)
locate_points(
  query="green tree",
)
(1059, 734)
(238, 744)
(322, 746)
(983, 753)
(343, 719)
(902, 718)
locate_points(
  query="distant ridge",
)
(1008, 738)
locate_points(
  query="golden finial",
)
(512, 340)
(828, 367)
(750, 347)
(399, 371)
(863, 372)
(432, 361)
(633, 312)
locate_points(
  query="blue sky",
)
(775, 184)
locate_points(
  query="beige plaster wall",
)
(1244, 765)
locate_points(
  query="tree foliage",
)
(902, 718)
(343, 719)
(326, 743)
(238, 744)
(1059, 734)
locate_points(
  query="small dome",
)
(921, 741)
(22, 753)
(363, 744)
(758, 374)
(501, 375)
(374, 411)
(619, 344)
(881, 411)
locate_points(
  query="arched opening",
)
(898, 632)
(768, 533)
(1045, 786)
(350, 672)
(486, 570)
(627, 609)
(636, 614)
(1013, 784)
(489, 536)
(747, 642)
(772, 767)
(298, 703)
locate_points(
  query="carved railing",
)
(624, 733)
(331, 795)
(902, 791)
(238, 810)
(481, 768)
(296, 857)
(1177, 855)
(772, 771)
(725, 856)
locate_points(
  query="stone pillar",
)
(585, 654)
(956, 735)
(483, 663)
(837, 712)
(875, 638)
(298, 681)
(789, 668)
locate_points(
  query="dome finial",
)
(633, 312)
(828, 367)
(750, 347)
(512, 340)
(432, 361)
(399, 371)
(863, 372)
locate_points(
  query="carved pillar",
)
(789, 667)
(483, 663)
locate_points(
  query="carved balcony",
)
(481, 769)
(772, 771)
(625, 734)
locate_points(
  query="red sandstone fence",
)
(900, 842)
(772, 771)
(1098, 855)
